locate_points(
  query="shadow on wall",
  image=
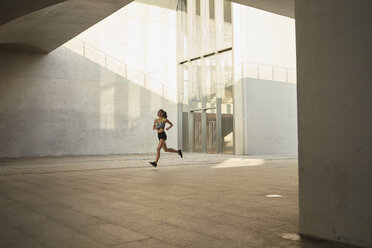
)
(65, 104)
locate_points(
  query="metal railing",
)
(267, 72)
(118, 66)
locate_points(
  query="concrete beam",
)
(13, 9)
(53, 24)
(280, 7)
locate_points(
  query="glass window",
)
(182, 7)
(211, 9)
(198, 145)
(227, 24)
(196, 30)
(211, 28)
(195, 90)
(197, 7)
(211, 82)
(227, 11)
(211, 131)
(216, 89)
(225, 79)
(185, 78)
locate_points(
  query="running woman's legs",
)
(166, 149)
(160, 145)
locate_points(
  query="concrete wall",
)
(263, 37)
(264, 56)
(63, 103)
(270, 117)
(143, 35)
(97, 94)
(334, 54)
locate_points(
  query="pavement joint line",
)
(75, 161)
(98, 169)
(7, 163)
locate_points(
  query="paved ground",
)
(120, 201)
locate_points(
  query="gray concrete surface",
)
(45, 25)
(10, 10)
(65, 104)
(120, 201)
(334, 52)
(270, 117)
(264, 48)
(280, 7)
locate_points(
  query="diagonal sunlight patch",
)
(119, 67)
(239, 162)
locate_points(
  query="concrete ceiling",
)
(280, 7)
(45, 25)
(13, 9)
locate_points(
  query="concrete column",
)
(179, 125)
(334, 65)
(238, 51)
(204, 105)
(219, 125)
(204, 128)
(180, 69)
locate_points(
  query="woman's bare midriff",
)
(160, 130)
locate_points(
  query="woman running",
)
(159, 125)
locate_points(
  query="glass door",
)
(198, 144)
(211, 131)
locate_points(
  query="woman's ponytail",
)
(164, 114)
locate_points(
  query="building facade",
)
(205, 81)
(236, 79)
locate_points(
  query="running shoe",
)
(180, 153)
(153, 164)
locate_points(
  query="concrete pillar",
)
(180, 69)
(334, 65)
(219, 125)
(204, 125)
(203, 106)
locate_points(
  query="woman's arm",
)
(170, 123)
(153, 127)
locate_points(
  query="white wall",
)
(143, 35)
(263, 37)
(264, 56)
(270, 117)
(62, 103)
(78, 100)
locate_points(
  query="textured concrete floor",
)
(120, 201)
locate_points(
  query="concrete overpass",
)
(280, 7)
(42, 26)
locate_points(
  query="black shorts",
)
(162, 135)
